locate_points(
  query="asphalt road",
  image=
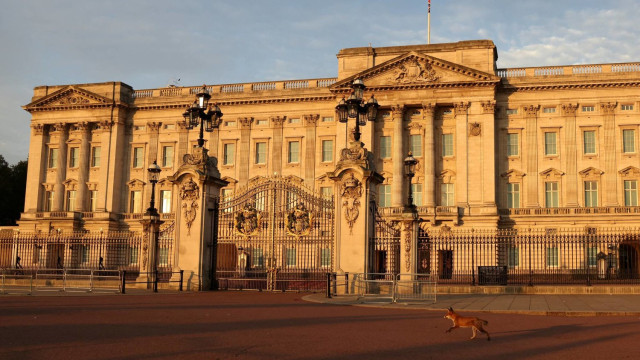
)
(251, 325)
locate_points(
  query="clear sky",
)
(153, 43)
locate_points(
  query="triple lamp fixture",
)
(196, 115)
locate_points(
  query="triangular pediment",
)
(591, 172)
(417, 70)
(630, 171)
(513, 175)
(551, 173)
(68, 97)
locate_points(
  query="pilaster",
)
(36, 169)
(310, 123)
(487, 134)
(245, 150)
(571, 155)
(610, 188)
(61, 132)
(83, 166)
(276, 155)
(461, 112)
(531, 155)
(397, 186)
(429, 156)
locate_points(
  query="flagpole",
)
(429, 24)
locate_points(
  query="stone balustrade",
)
(568, 70)
(571, 211)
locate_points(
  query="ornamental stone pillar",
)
(408, 244)
(486, 132)
(531, 155)
(610, 188)
(60, 132)
(354, 188)
(106, 128)
(183, 143)
(310, 122)
(245, 157)
(197, 184)
(276, 155)
(36, 169)
(570, 155)
(83, 165)
(429, 156)
(461, 112)
(399, 153)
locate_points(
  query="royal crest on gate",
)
(299, 222)
(248, 222)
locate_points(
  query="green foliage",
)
(13, 181)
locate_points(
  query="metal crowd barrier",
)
(392, 287)
(20, 281)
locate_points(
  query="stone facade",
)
(526, 147)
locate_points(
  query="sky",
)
(153, 43)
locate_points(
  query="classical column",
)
(153, 129)
(183, 140)
(487, 132)
(245, 155)
(429, 156)
(397, 193)
(571, 155)
(461, 112)
(37, 168)
(310, 122)
(83, 166)
(103, 180)
(531, 155)
(276, 159)
(60, 130)
(610, 188)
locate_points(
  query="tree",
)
(13, 180)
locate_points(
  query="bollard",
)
(155, 282)
(124, 282)
(335, 283)
(181, 277)
(346, 283)
(328, 285)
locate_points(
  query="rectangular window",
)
(552, 256)
(416, 192)
(512, 145)
(261, 153)
(95, 156)
(513, 196)
(549, 110)
(630, 193)
(513, 256)
(385, 147)
(48, 201)
(74, 155)
(138, 160)
(290, 256)
(294, 152)
(590, 193)
(163, 256)
(384, 195)
(71, 200)
(512, 111)
(165, 201)
(550, 146)
(227, 194)
(626, 107)
(133, 255)
(294, 121)
(415, 145)
(93, 200)
(551, 194)
(588, 108)
(326, 191)
(447, 144)
(135, 202)
(327, 150)
(262, 122)
(229, 154)
(167, 156)
(592, 256)
(325, 257)
(53, 158)
(84, 253)
(327, 119)
(589, 142)
(257, 257)
(447, 196)
(629, 141)
(230, 124)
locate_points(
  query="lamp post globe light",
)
(202, 113)
(154, 171)
(410, 170)
(354, 107)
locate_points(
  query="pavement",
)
(525, 304)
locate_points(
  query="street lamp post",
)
(354, 107)
(202, 113)
(410, 171)
(154, 171)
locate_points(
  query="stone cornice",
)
(543, 87)
(449, 85)
(223, 103)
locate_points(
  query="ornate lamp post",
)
(153, 170)
(202, 113)
(354, 107)
(410, 171)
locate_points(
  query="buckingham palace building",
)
(423, 159)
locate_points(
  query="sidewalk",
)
(557, 305)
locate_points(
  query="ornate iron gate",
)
(384, 247)
(275, 235)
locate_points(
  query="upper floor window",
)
(626, 107)
(384, 195)
(138, 153)
(513, 256)
(447, 144)
(550, 146)
(71, 200)
(95, 156)
(416, 192)
(294, 121)
(262, 122)
(327, 119)
(135, 201)
(591, 193)
(294, 152)
(415, 145)
(512, 145)
(551, 194)
(74, 155)
(630, 193)
(229, 154)
(513, 195)
(326, 191)
(167, 156)
(629, 141)
(327, 150)
(589, 142)
(512, 111)
(93, 200)
(261, 153)
(48, 201)
(588, 108)
(549, 110)
(53, 158)
(385, 147)
(165, 201)
(447, 195)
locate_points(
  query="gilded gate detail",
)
(275, 234)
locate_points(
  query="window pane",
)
(513, 256)
(325, 257)
(93, 200)
(291, 257)
(589, 142)
(384, 195)
(512, 145)
(447, 144)
(261, 153)
(631, 193)
(551, 194)
(416, 192)
(513, 196)
(385, 147)
(95, 156)
(446, 195)
(73, 157)
(552, 256)
(590, 193)
(327, 150)
(135, 205)
(592, 256)
(167, 156)
(550, 143)
(53, 158)
(229, 154)
(628, 141)
(165, 201)
(71, 200)
(294, 151)
(326, 191)
(257, 258)
(137, 157)
(415, 145)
